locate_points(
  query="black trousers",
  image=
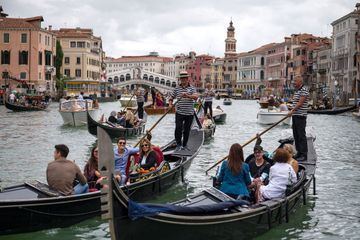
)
(182, 128)
(298, 126)
(140, 109)
(208, 105)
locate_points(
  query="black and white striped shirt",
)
(208, 95)
(184, 106)
(302, 91)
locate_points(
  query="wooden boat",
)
(271, 117)
(207, 215)
(21, 108)
(356, 115)
(227, 101)
(150, 110)
(333, 111)
(128, 101)
(219, 115)
(209, 132)
(73, 111)
(33, 206)
(112, 130)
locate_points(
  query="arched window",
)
(5, 57)
(110, 80)
(151, 78)
(145, 77)
(173, 84)
(261, 75)
(122, 78)
(127, 77)
(157, 80)
(162, 82)
(262, 61)
(116, 79)
(167, 82)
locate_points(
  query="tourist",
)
(259, 168)
(121, 154)
(186, 96)
(233, 178)
(61, 173)
(281, 175)
(283, 107)
(159, 100)
(12, 98)
(140, 102)
(208, 99)
(81, 96)
(121, 119)
(91, 170)
(147, 155)
(290, 149)
(130, 119)
(298, 114)
(112, 119)
(208, 122)
(153, 95)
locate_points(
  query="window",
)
(23, 38)
(23, 75)
(88, 45)
(80, 44)
(39, 38)
(23, 57)
(72, 44)
(67, 72)
(67, 60)
(5, 57)
(47, 58)
(78, 73)
(40, 58)
(47, 76)
(6, 37)
(78, 60)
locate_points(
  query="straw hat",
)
(183, 74)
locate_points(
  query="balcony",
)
(95, 50)
(49, 69)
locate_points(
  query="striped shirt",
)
(208, 95)
(184, 106)
(140, 95)
(302, 91)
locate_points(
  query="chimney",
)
(50, 27)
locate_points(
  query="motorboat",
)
(73, 111)
(272, 116)
(128, 101)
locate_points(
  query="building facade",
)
(230, 59)
(199, 70)
(27, 53)
(83, 53)
(217, 73)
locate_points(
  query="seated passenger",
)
(208, 123)
(112, 117)
(147, 155)
(292, 161)
(121, 154)
(283, 107)
(281, 175)
(61, 173)
(259, 169)
(233, 177)
(159, 100)
(130, 119)
(91, 170)
(121, 119)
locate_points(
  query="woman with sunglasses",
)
(147, 155)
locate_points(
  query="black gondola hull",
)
(332, 111)
(19, 108)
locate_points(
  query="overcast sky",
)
(136, 27)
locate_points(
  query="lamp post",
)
(335, 92)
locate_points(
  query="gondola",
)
(356, 115)
(227, 101)
(21, 108)
(33, 206)
(219, 115)
(207, 215)
(112, 130)
(333, 111)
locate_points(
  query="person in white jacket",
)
(281, 175)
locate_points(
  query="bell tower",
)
(230, 41)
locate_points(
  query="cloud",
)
(170, 27)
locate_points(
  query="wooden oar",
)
(155, 124)
(252, 139)
(127, 104)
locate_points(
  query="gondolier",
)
(208, 99)
(186, 96)
(299, 113)
(140, 101)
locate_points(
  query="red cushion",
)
(159, 155)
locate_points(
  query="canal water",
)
(27, 142)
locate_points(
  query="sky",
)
(170, 27)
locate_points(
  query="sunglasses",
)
(121, 143)
(145, 145)
(96, 151)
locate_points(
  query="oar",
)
(155, 124)
(252, 139)
(127, 104)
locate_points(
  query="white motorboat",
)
(219, 115)
(272, 116)
(124, 101)
(73, 111)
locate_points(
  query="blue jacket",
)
(121, 161)
(234, 184)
